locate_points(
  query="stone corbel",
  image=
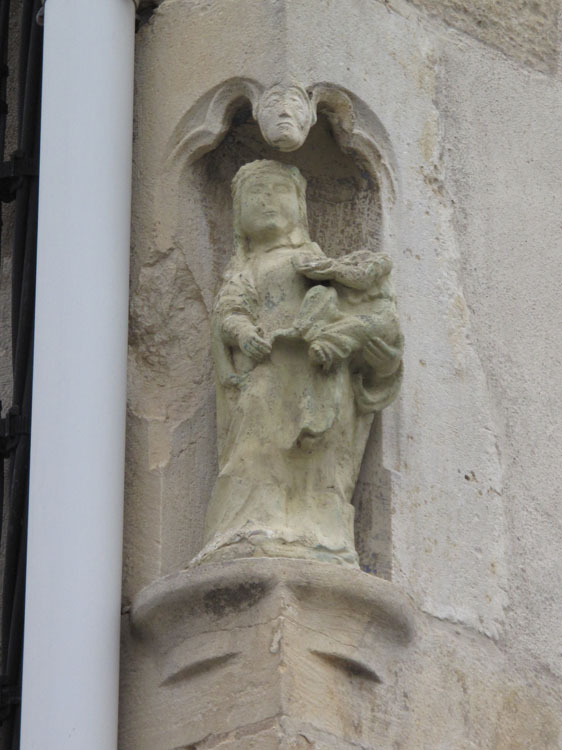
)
(263, 649)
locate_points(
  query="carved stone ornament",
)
(306, 349)
(285, 115)
(254, 654)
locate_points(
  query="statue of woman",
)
(306, 349)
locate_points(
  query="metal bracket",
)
(12, 426)
(40, 17)
(12, 173)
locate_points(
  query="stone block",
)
(269, 652)
(523, 29)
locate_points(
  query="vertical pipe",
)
(71, 642)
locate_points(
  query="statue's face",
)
(269, 207)
(285, 116)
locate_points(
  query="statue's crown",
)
(267, 167)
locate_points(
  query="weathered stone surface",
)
(500, 144)
(285, 115)
(458, 496)
(248, 643)
(306, 349)
(526, 30)
(285, 653)
(436, 513)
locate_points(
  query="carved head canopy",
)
(285, 115)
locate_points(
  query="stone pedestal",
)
(271, 653)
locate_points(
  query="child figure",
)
(357, 308)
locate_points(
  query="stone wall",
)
(468, 521)
(524, 30)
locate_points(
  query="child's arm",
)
(313, 263)
(361, 270)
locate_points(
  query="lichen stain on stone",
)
(524, 722)
(233, 599)
(459, 322)
(159, 445)
(428, 140)
(303, 743)
(169, 339)
(426, 75)
(432, 178)
(525, 30)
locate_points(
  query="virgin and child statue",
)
(306, 349)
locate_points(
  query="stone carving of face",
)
(269, 207)
(285, 115)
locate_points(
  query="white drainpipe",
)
(72, 617)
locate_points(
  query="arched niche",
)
(352, 198)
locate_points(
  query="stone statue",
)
(285, 115)
(306, 349)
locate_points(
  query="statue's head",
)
(269, 202)
(285, 115)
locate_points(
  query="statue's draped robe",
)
(291, 436)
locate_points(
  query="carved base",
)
(269, 543)
(272, 653)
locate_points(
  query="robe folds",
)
(291, 433)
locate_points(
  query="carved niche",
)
(327, 138)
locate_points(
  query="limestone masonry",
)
(427, 613)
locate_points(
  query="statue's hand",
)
(383, 358)
(252, 344)
(313, 267)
